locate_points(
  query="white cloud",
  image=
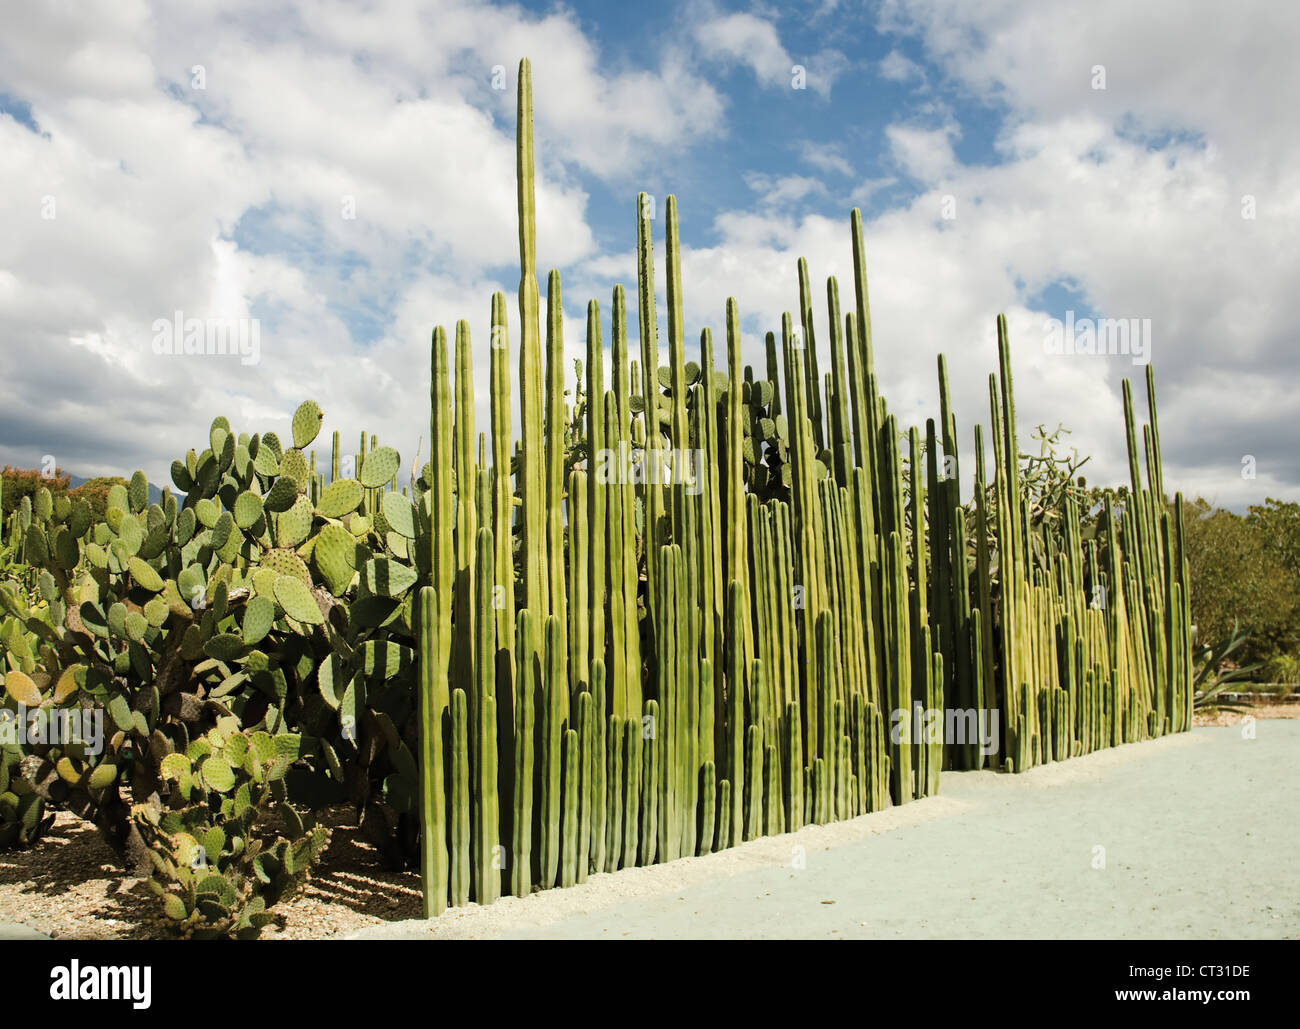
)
(925, 154)
(828, 157)
(744, 38)
(783, 190)
(896, 67)
(305, 104)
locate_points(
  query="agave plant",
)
(1210, 679)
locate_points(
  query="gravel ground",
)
(68, 886)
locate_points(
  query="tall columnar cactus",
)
(745, 648)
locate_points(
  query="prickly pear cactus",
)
(217, 868)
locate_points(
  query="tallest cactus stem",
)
(532, 484)
(654, 501)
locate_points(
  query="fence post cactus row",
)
(737, 605)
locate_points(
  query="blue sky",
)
(994, 175)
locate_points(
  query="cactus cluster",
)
(676, 664)
(692, 605)
(264, 607)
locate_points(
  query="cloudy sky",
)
(343, 173)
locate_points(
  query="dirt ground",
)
(68, 886)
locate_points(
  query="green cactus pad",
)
(145, 577)
(181, 477)
(222, 530)
(264, 582)
(385, 659)
(259, 616)
(137, 626)
(130, 534)
(294, 525)
(156, 611)
(266, 463)
(399, 513)
(217, 774)
(120, 712)
(341, 497)
(248, 509)
(138, 492)
(294, 465)
(334, 556)
(102, 776)
(331, 675)
(297, 600)
(379, 467)
(186, 522)
(207, 511)
(117, 497)
(282, 494)
(306, 423)
(388, 578)
(173, 766)
(286, 562)
(117, 619)
(21, 688)
(226, 646)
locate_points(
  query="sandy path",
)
(1200, 833)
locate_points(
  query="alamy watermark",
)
(664, 466)
(950, 725)
(238, 337)
(53, 726)
(1128, 337)
(74, 981)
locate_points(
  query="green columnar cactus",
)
(651, 784)
(676, 332)
(754, 779)
(597, 489)
(532, 481)
(527, 697)
(502, 493)
(555, 444)
(653, 493)
(486, 729)
(569, 838)
(597, 791)
(580, 542)
(442, 557)
(810, 376)
(433, 823)
(620, 547)
(586, 732)
(460, 799)
(616, 773)
(736, 612)
(737, 546)
(623, 531)
(555, 712)
(708, 806)
(465, 470)
(709, 550)
(632, 790)
(841, 426)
